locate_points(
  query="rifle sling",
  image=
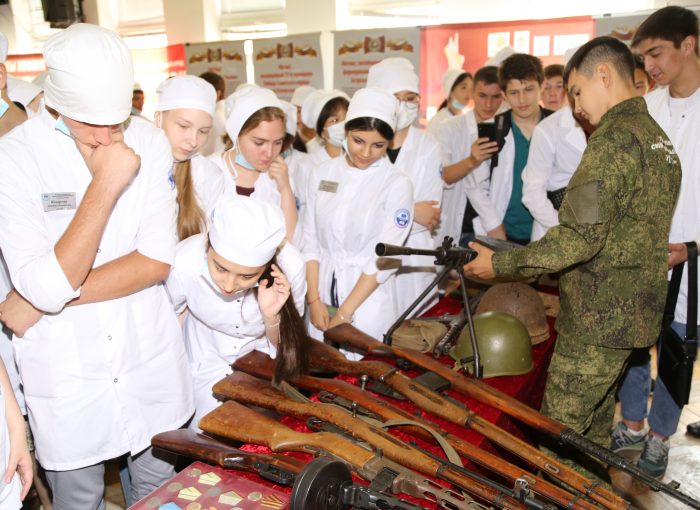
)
(449, 450)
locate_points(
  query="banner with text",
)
(355, 51)
(226, 58)
(285, 63)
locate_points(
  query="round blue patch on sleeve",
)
(402, 218)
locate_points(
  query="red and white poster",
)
(285, 63)
(355, 51)
(469, 46)
(226, 58)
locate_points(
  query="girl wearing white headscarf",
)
(244, 288)
(354, 202)
(418, 155)
(457, 87)
(185, 113)
(324, 111)
(254, 166)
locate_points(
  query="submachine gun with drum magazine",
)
(322, 484)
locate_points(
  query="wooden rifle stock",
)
(261, 365)
(325, 357)
(236, 421)
(278, 468)
(247, 389)
(349, 335)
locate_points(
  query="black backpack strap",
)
(672, 295)
(691, 328)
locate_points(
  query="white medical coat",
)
(556, 148)
(456, 136)
(208, 182)
(218, 328)
(342, 228)
(684, 133)
(99, 379)
(419, 158)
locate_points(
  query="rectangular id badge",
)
(58, 201)
(329, 186)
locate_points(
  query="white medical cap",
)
(244, 103)
(3, 48)
(246, 231)
(314, 103)
(21, 91)
(301, 93)
(499, 57)
(90, 75)
(449, 79)
(137, 87)
(290, 113)
(393, 75)
(376, 103)
(186, 92)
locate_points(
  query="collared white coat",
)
(300, 169)
(556, 148)
(99, 379)
(219, 329)
(684, 133)
(456, 136)
(342, 228)
(419, 158)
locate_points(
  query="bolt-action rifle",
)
(236, 421)
(347, 335)
(362, 403)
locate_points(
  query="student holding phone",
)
(244, 290)
(465, 146)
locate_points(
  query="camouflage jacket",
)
(612, 241)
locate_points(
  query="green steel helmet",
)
(504, 345)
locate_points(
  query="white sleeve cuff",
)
(44, 284)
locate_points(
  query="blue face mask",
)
(62, 127)
(240, 160)
(457, 105)
(3, 107)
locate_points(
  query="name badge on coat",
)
(329, 186)
(58, 201)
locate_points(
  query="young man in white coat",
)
(495, 189)
(87, 229)
(556, 148)
(668, 42)
(463, 151)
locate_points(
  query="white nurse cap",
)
(393, 75)
(290, 113)
(376, 103)
(246, 231)
(449, 79)
(301, 93)
(245, 102)
(21, 91)
(314, 103)
(186, 92)
(3, 48)
(91, 75)
(499, 57)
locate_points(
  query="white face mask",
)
(408, 113)
(336, 134)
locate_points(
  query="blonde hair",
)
(191, 219)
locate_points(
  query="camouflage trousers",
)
(580, 393)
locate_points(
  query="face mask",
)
(3, 107)
(287, 153)
(62, 127)
(336, 134)
(457, 105)
(240, 160)
(408, 113)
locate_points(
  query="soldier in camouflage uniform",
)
(611, 244)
